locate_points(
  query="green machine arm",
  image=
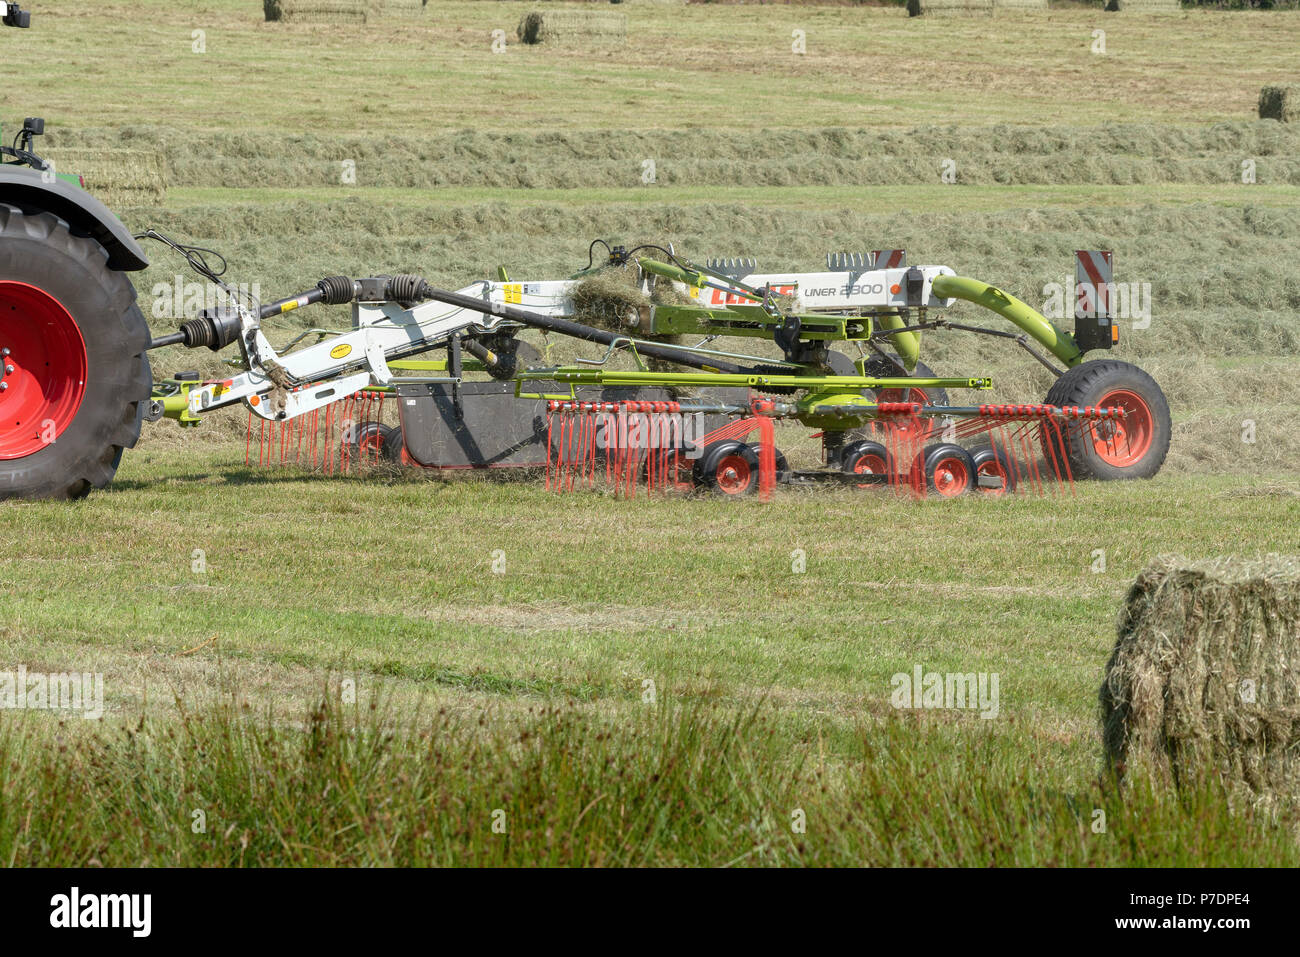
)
(1033, 323)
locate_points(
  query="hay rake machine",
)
(703, 417)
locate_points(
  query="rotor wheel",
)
(911, 430)
(867, 458)
(729, 468)
(993, 463)
(949, 469)
(371, 439)
(394, 448)
(782, 466)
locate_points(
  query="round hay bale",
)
(1280, 103)
(1202, 684)
(316, 11)
(572, 27)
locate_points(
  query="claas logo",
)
(719, 298)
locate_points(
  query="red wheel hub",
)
(733, 474)
(951, 477)
(1124, 442)
(869, 465)
(42, 369)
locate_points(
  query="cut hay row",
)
(1202, 685)
(116, 176)
(1118, 154)
(340, 11)
(1144, 6)
(1280, 103)
(396, 9)
(572, 27)
(969, 8)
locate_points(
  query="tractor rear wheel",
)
(1133, 447)
(74, 367)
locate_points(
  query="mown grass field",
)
(525, 690)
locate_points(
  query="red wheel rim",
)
(870, 464)
(994, 468)
(951, 477)
(1124, 442)
(912, 428)
(44, 372)
(733, 474)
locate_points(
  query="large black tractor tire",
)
(1132, 448)
(77, 370)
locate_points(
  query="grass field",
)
(649, 681)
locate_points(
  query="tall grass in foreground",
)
(667, 785)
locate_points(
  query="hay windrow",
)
(1202, 684)
(116, 176)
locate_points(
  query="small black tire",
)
(782, 466)
(993, 462)
(867, 457)
(728, 467)
(42, 262)
(371, 440)
(1133, 448)
(394, 448)
(948, 468)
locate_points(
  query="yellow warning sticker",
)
(514, 292)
